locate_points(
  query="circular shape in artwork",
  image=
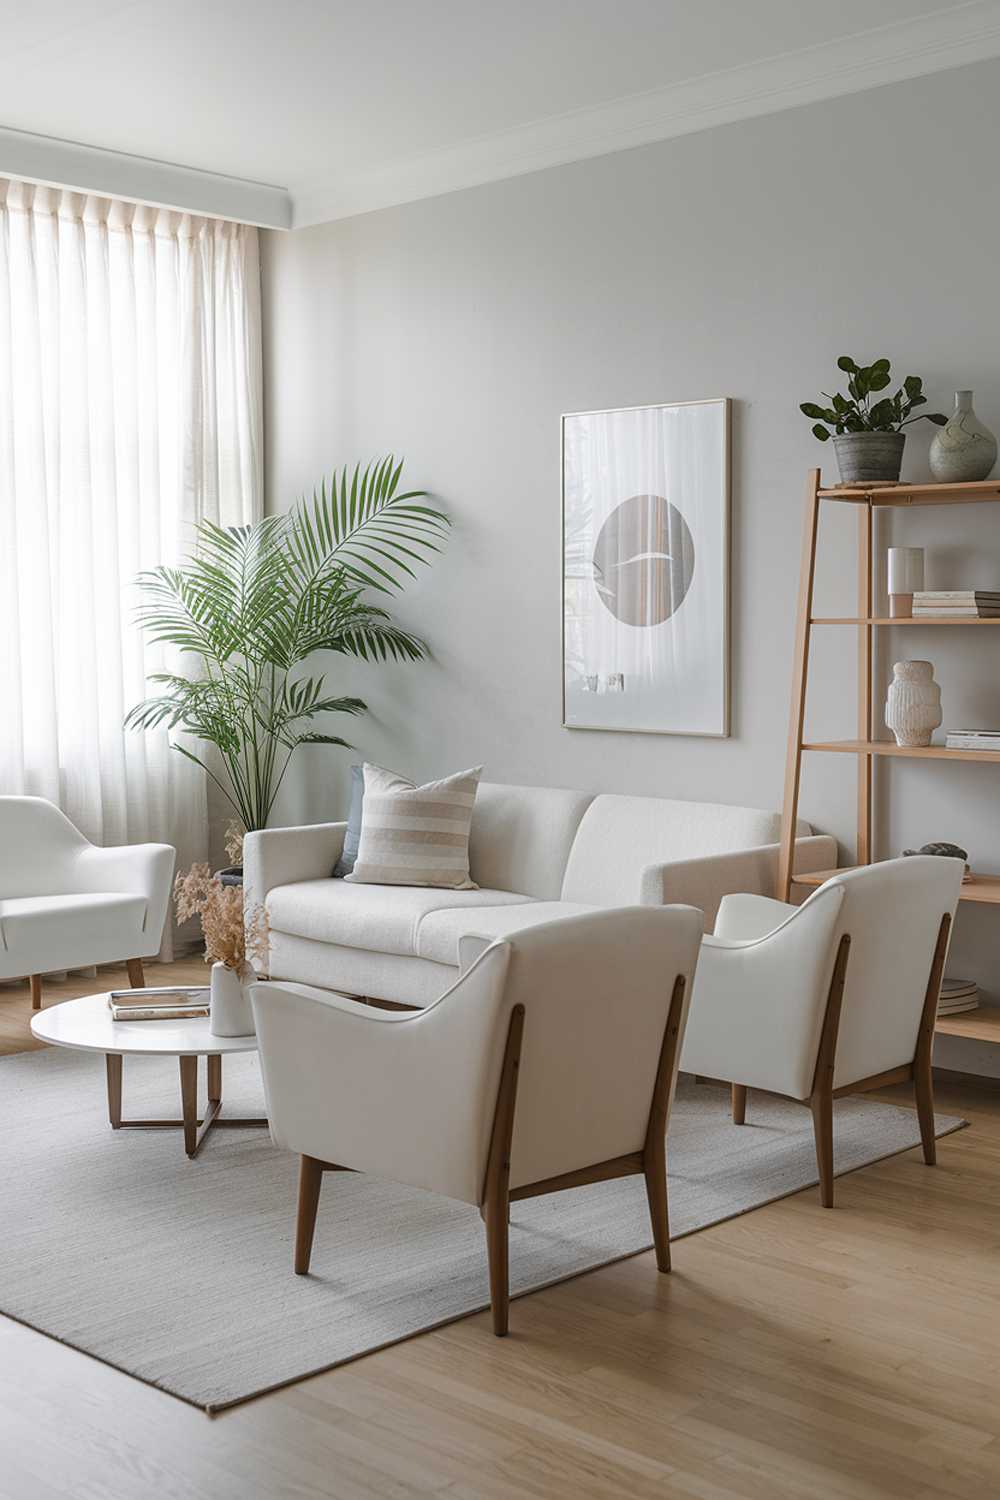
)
(644, 560)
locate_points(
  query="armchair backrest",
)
(596, 992)
(892, 911)
(620, 837)
(37, 845)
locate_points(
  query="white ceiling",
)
(346, 105)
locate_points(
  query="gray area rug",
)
(179, 1272)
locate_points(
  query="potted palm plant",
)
(256, 603)
(868, 434)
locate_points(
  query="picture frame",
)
(646, 501)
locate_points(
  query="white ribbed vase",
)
(913, 708)
(229, 1010)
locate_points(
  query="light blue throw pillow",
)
(352, 838)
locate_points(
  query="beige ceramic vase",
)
(913, 708)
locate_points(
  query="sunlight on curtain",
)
(129, 409)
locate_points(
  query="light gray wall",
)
(737, 262)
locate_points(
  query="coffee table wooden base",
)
(195, 1129)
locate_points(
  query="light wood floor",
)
(794, 1352)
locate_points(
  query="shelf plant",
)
(254, 604)
(867, 427)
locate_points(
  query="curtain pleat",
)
(130, 409)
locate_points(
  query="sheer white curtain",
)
(130, 395)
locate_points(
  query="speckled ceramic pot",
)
(963, 450)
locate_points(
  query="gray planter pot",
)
(869, 457)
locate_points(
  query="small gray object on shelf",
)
(869, 457)
(946, 851)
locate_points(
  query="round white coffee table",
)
(86, 1026)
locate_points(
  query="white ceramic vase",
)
(913, 708)
(229, 1010)
(964, 449)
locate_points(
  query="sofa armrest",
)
(278, 856)
(703, 882)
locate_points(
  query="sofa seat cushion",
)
(30, 924)
(440, 932)
(382, 918)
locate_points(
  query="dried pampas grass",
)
(234, 933)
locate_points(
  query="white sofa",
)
(536, 853)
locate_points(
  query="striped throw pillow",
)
(416, 835)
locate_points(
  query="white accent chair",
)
(833, 997)
(67, 904)
(550, 1063)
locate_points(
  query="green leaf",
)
(912, 385)
(845, 362)
(810, 409)
(821, 433)
(878, 380)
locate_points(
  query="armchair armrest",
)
(141, 869)
(704, 881)
(743, 917)
(758, 1004)
(402, 1094)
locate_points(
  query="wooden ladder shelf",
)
(982, 888)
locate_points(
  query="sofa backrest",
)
(521, 837)
(619, 837)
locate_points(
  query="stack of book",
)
(972, 739)
(957, 995)
(973, 604)
(172, 1003)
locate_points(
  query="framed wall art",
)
(646, 568)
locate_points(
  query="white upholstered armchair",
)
(829, 998)
(67, 904)
(548, 1064)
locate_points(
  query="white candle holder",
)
(906, 577)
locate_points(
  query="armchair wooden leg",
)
(739, 1104)
(36, 991)
(497, 1244)
(654, 1167)
(136, 978)
(821, 1105)
(310, 1183)
(922, 1075)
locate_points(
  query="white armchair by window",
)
(548, 1064)
(66, 904)
(829, 998)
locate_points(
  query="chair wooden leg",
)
(136, 978)
(821, 1105)
(497, 1243)
(310, 1183)
(739, 1104)
(922, 1075)
(36, 991)
(654, 1167)
(924, 1089)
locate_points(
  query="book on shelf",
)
(158, 1012)
(972, 739)
(968, 603)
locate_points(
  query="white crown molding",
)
(114, 174)
(886, 54)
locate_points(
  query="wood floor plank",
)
(794, 1352)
